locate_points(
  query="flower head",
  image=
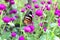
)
(13, 11)
(21, 38)
(47, 7)
(36, 6)
(28, 6)
(6, 19)
(29, 28)
(45, 29)
(41, 24)
(32, 28)
(12, 18)
(59, 13)
(49, 1)
(16, 16)
(2, 7)
(12, 2)
(34, 1)
(23, 10)
(39, 12)
(56, 12)
(13, 34)
(42, 2)
(58, 22)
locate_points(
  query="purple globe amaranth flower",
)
(41, 24)
(34, 1)
(6, 19)
(56, 12)
(23, 10)
(49, 2)
(16, 16)
(13, 11)
(28, 6)
(21, 38)
(39, 12)
(13, 34)
(58, 20)
(59, 13)
(47, 7)
(2, 7)
(58, 24)
(36, 5)
(42, 2)
(12, 18)
(12, 2)
(29, 29)
(32, 28)
(45, 29)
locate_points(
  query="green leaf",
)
(54, 0)
(30, 38)
(43, 37)
(58, 6)
(53, 24)
(5, 35)
(1, 22)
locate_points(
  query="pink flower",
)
(49, 2)
(42, 2)
(41, 24)
(13, 11)
(29, 28)
(34, 1)
(12, 2)
(58, 22)
(6, 19)
(57, 11)
(47, 7)
(45, 29)
(39, 12)
(21, 38)
(2, 7)
(13, 34)
(23, 10)
(36, 5)
(28, 6)
(12, 18)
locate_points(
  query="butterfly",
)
(27, 18)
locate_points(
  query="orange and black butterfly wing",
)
(28, 18)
